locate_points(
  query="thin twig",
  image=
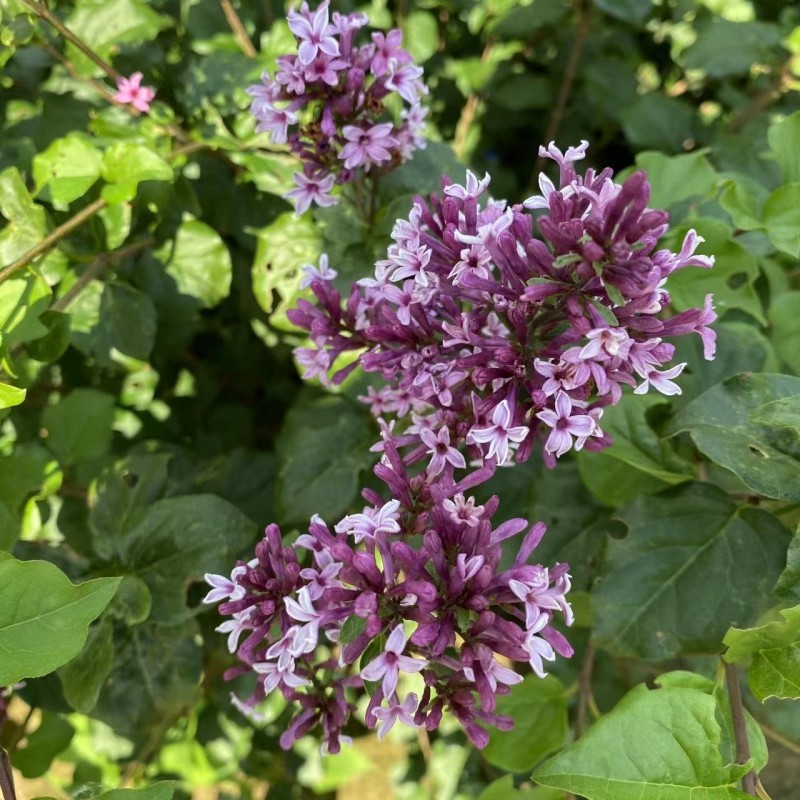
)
(42, 11)
(107, 94)
(584, 8)
(585, 696)
(469, 111)
(94, 269)
(53, 238)
(6, 777)
(766, 97)
(739, 726)
(239, 31)
(778, 737)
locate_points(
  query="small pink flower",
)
(130, 90)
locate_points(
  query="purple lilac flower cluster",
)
(412, 586)
(331, 103)
(488, 339)
(491, 336)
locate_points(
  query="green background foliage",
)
(152, 420)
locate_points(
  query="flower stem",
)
(739, 726)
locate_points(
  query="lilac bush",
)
(332, 102)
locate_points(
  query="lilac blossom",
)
(391, 662)
(494, 331)
(396, 711)
(513, 328)
(331, 103)
(409, 586)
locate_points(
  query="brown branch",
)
(766, 97)
(739, 726)
(42, 11)
(53, 238)
(94, 269)
(469, 110)
(584, 9)
(6, 777)
(238, 29)
(102, 89)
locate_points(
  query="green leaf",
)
(727, 48)
(613, 482)
(199, 262)
(282, 248)
(27, 222)
(633, 11)
(656, 744)
(79, 425)
(788, 585)
(784, 140)
(124, 494)
(689, 550)
(782, 218)
(785, 323)
(83, 677)
(126, 165)
(10, 395)
(270, 172)
(775, 652)
(44, 618)
(106, 24)
(22, 301)
(29, 470)
(637, 444)
(677, 178)
(51, 738)
(178, 540)
(352, 628)
(691, 680)
(730, 280)
(743, 198)
(783, 413)
(67, 168)
(323, 448)
(163, 790)
(656, 122)
(423, 174)
(127, 322)
(539, 709)
(420, 35)
(156, 674)
(54, 343)
(765, 459)
(503, 789)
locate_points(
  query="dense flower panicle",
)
(330, 102)
(498, 329)
(407, 587)
(130, 91)
(489, 340)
